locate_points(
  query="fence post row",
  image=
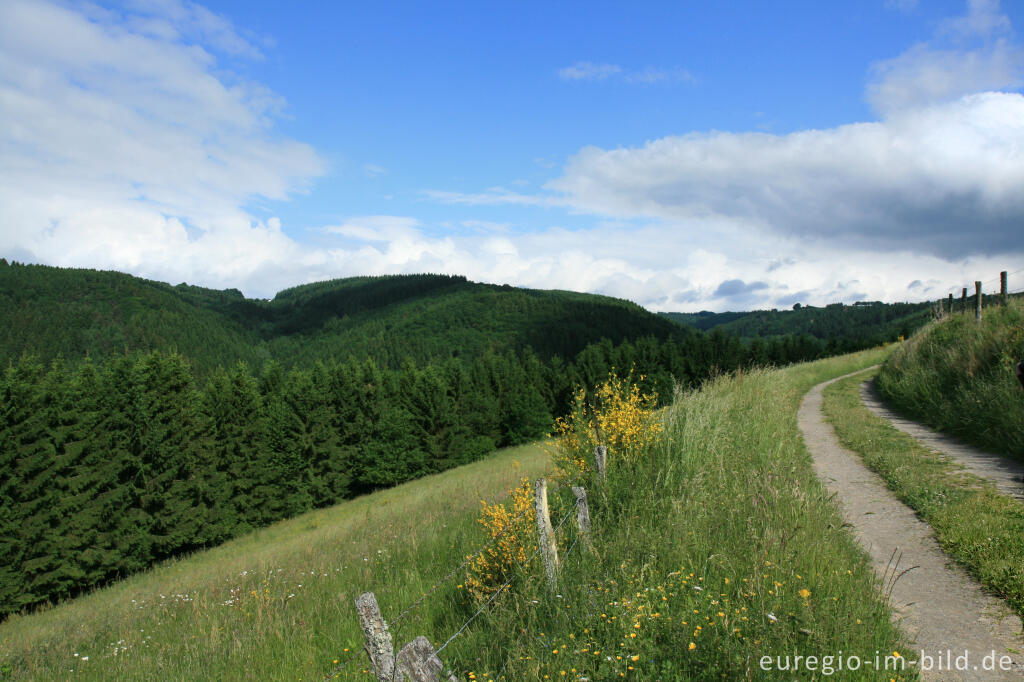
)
(545, 534)
(977, 296)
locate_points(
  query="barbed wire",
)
(499, 590)
(455, 570)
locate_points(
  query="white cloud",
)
(968, 54)
(588, 71)
(124, 145)
(943, 179)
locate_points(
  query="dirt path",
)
(938, 605)
(1007, 474)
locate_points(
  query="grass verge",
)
(958, 376)
(974, 523)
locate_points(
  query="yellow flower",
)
(692, 646)
(805, 593)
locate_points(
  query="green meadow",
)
(716, 550)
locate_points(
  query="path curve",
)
(938, 605)
(1006, 474)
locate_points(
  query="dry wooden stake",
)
(378, 639)
(418, 662)
(582, 515)
(545, 534)
(977, 305)
(601, 459)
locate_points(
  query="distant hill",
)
(48, 311)
(868, 321)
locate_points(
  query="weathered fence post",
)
(582, 515)
(951, 305)
(1002, 286)
(545, 534)
(977, 305)
(378, 639)
(963, 300)
(418, 662)
(601, 459)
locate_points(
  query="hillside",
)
(958, 376)
(871, 322)
(49, 311)
(743, 555)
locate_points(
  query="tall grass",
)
(958, 376)
(717, 548)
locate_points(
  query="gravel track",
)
(938, 605)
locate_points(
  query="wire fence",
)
(342, 665)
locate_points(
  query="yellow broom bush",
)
(617, 415)
(513, 535)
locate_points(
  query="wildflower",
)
(805, 593)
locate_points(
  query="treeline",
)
(110, 466)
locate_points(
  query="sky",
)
(685, 156)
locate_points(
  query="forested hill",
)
(47, 311)
(865, 322)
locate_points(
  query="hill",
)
(48, 311)
(869, 322)
(714, 548)
(959, 376)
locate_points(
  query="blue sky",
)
(685, 156)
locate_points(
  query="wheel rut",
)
(941, 608)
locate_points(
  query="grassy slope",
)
(958, 376)
(175, 622)
(731, 498)
(974, 523)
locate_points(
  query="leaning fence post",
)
(418, 662)
(977, 305)
(601, 459)
(582, 514)
(1002, 286)
(378, 639)
(545, 534)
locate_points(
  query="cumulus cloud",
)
(969, 54)
(124, 144)
(942, 179)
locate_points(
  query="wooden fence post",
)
(582, 515)
(951, 305)
(977, 305)
(1002, 286)
(378, 639)
(545, 534)
(963, 300)
(601, 460)
(418, 662)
